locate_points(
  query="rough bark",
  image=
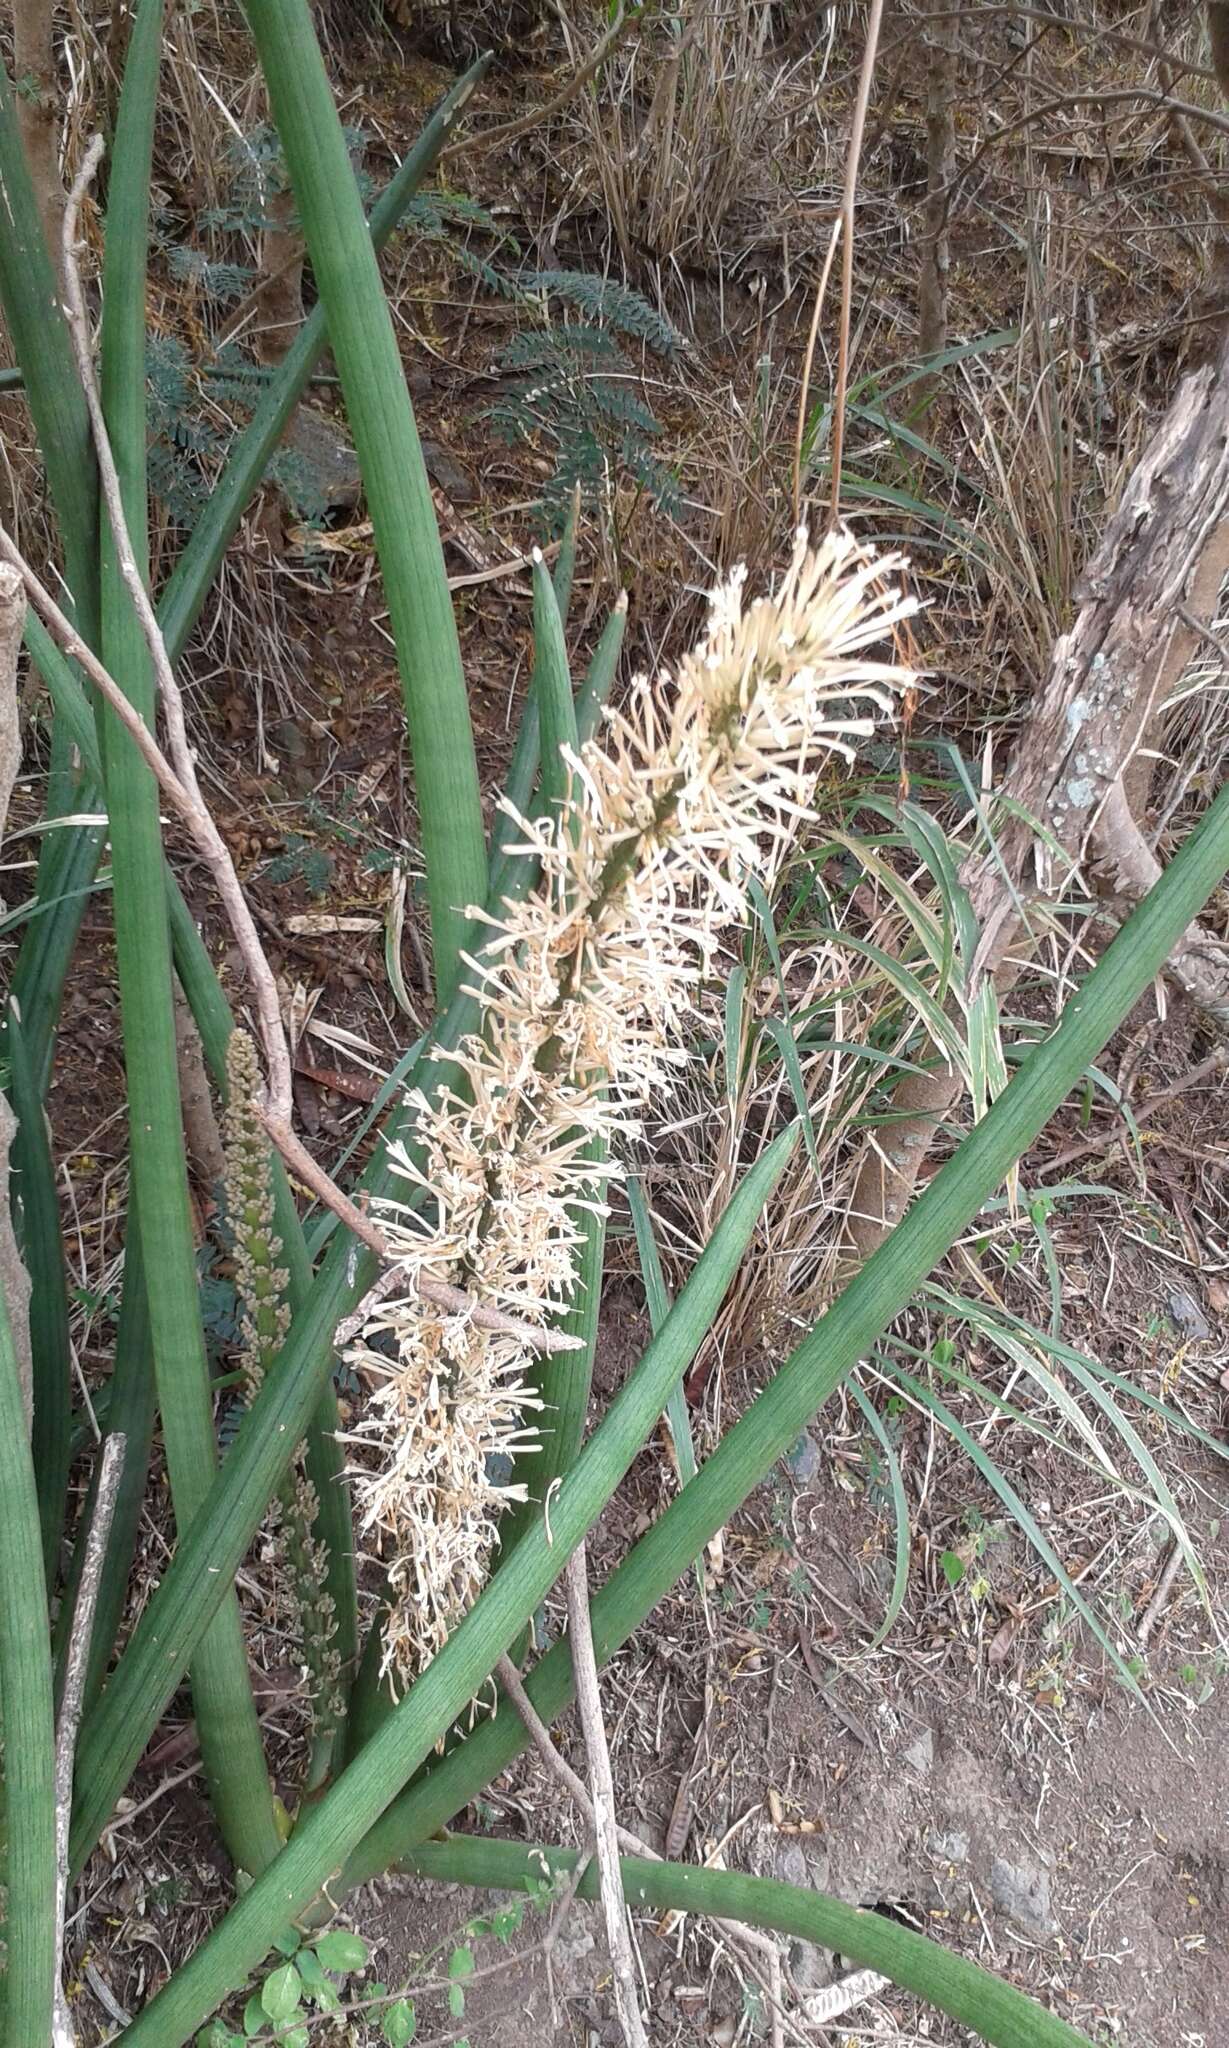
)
(282, 255)
(14, 1279)
(1092, 713)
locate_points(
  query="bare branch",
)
(511, 131)
(14, 1279)
(601, 1783)
(80, 1637)
(1199, 963)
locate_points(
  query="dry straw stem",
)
(601, 1785)
(14, 1278)
(1163, 550)
(842, 232)
(511, 131)
(71, 1702)
(177, 778)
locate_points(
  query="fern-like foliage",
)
(454, 222)
(570, 382)
(197, 404)
(569, 388)
(602, 301)
(190, 432)
(185, 445)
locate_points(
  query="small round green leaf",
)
(340, 1949)
(400, 2023)
(281, 1994)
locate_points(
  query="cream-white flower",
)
(699, 783)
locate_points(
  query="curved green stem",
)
(996, 2012)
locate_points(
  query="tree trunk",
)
(281, 287)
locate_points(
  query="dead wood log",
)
(1152, 581)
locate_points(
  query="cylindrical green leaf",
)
(131, 1405)
(42, 1245)
(226, 1718)
(31, 299)
(394, 474)
(996, 2011)
(26, 1721)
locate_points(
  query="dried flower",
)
(700, 783)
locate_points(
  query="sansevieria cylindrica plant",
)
(572, 951)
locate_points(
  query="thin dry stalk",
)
(110, 1473)
(601, 1784)
(561, 1770)
(14, 1278)
(940, 43)
(842, 232)
(204, 1140)
(211, 846)
(849, 195)
(511, 131)
(1165, 1585)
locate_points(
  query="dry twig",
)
(511, 131)
(559, 1767)
(842, 232)
(14, 1279)
(601, 1783)
(1164, 1587)
(77, 1664)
